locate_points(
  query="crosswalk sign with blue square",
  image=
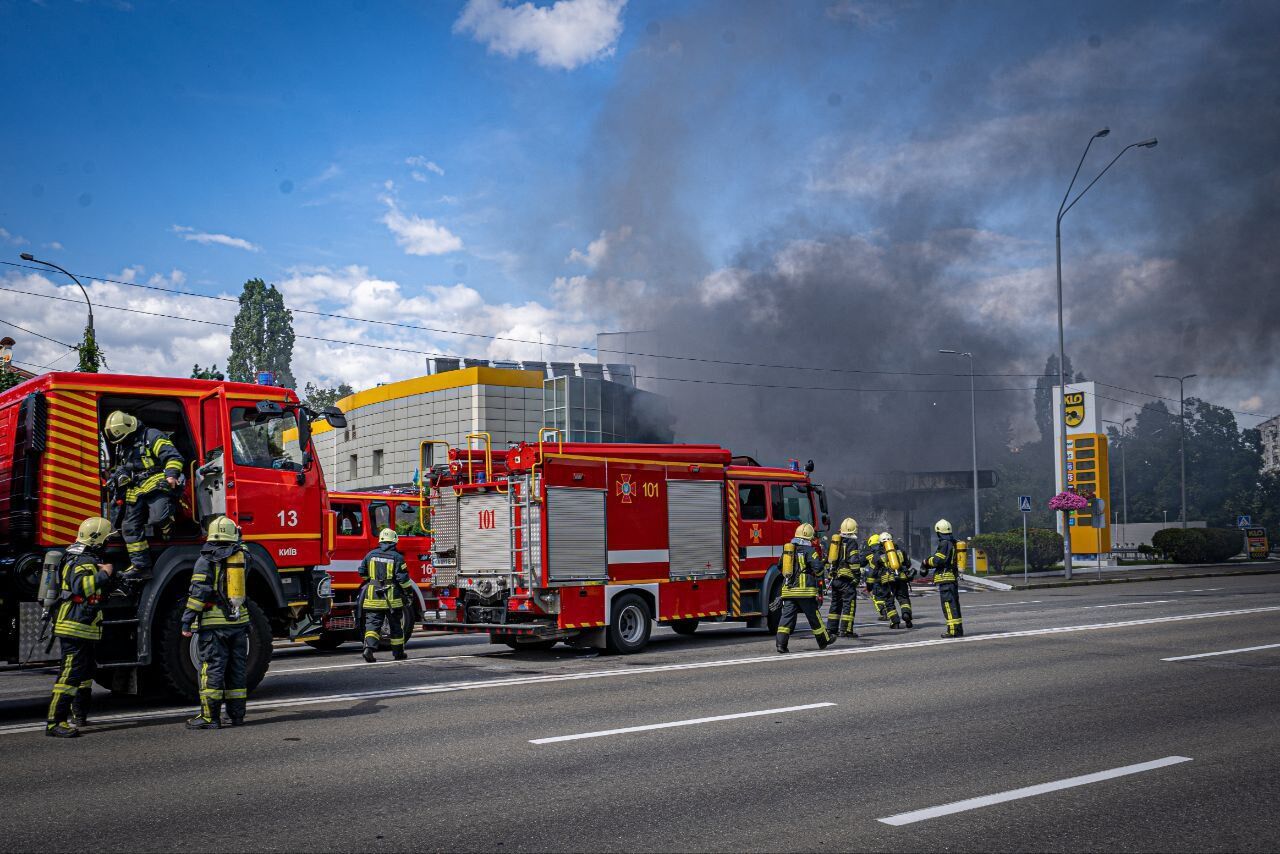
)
(1024, 503)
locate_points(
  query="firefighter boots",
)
(62, 730)
(368, 655)
(399, 655)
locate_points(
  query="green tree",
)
(262, 339)
(8, 378)
(212, 373)
(317, 398)
(91, 357)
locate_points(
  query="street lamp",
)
(27, 256)
(1062, 349)
(1182, 449)
(1124, 477)
(973, 424)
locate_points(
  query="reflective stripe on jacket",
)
(79, 613)
(207, 601)
(806, 576)
(150, 457)
(848, 563)
(943, 561)
(386, 575)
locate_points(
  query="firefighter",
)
(802, 574)
(899, 585)
(870, 575)
(78, 626)
(217, 601)
(145, 477)
(385, 576)
(844, 560)
(946, 576)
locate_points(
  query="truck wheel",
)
(684, 627)
(179, 658)
(629, 629)
(328, 641)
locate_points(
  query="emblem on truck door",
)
(625, 488)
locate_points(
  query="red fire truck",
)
(360, 517)
(591, 544)
(249, 455)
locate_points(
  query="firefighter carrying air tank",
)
(802, 582)
(216, 609)
(844, 562)
(385, 576)
(142, 483)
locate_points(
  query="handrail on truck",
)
(543, 432)
(423, 467)
(488, 459)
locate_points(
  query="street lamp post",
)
(1182, 442)
(1062, 349)
(973, 425)
(27, 256)
(1124, 476)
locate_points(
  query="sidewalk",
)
(1082, 575)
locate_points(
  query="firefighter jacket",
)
(385, 575)
(805, 580)
(208, 601)
(943, 561)
(145, 460)
(847, 564)
(904, 572)
(79, 608)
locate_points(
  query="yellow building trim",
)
(461, 378)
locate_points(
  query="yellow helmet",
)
(849, 526)
(388, 535)
(93, 531)
(120, 425)
(873, 540)
(804, 531)
(942, 526)
(223, 530)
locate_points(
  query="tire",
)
(177, 657)
(684, 627)
(329, 641)
(772, 618)
(628, 632)
(531, 646)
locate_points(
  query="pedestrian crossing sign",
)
(1244, 521)
(1024, 503)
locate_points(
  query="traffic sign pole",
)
(1024, 504)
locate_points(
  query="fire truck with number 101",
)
(593, 543)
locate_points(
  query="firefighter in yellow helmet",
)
(946, 575)
(385, 576)
(898, 587)
(144, 476)
(880, 566)
(802, 580)
(218, 609)
(871, 576)
(77, 624)
(844, 561)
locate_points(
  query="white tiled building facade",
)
(1270, 430)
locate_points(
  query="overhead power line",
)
(38, 335)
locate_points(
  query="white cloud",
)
(1250, 403)
(7, 237)
(598, 249)
(206, 238)
(567, 34)
(418, 236)
(421, 162)
(55, 245)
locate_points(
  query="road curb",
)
(1177, 577)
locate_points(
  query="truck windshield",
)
(262, 443)
(791, 505)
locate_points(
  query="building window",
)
(351, 472)
(377, 462)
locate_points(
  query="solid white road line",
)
(1008, 604)
(1198, 590)
(1126, 604)
(1029, 791)
(1223, 652)
(515, 681)
(690, 722)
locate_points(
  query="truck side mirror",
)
(335, 416)
(808, 467)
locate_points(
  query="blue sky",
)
(540, 171)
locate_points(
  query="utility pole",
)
(1062, 349)
(1182, 442)
(973, 426)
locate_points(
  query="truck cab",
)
(247, 454)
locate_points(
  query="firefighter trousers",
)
(74, 687)
(844, 603)
(882, 595)
(877, 598)
(152, 508)
(901, 591)
(224, 663)
(949, 595)
(373, 621)
(791, 611)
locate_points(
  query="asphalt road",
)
(439, 752)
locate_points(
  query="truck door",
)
(275, 480)
(214, 494)
(755, 546)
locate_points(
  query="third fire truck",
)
(594, 543)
